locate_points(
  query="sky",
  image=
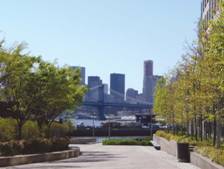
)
(105, 36)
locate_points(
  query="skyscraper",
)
(117, 86)
(148, 68)
(82, 73)
(209, 10)
(148, 82)
(94, 85)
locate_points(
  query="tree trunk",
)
(201, 128)
(19, 130)
(195, 128)
(218, 132)
(214, 132)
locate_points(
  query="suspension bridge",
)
(96, 99)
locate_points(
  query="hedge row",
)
(31, 130)
(33, 146)
(138, 141)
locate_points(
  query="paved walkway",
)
(97, 156)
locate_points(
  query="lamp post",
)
(93, 125)
(109, 128)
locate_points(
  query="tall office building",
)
(148, 68)
(94, 85)
(209, 10)
(117, 86)
(82, 73)
(148, 81)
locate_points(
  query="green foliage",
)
(38, 145)
(181, 138)
(30, 130)
(33, 146)
(139, 141)
(216, 155)
(59, 129)
(60, 144)
(37, 90)
(7, 129)
(11, 148)
(193, 94)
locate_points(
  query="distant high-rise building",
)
(94, 81)
(209, 10)
(148, 68)
(117, 86)
(82, 73)
(94, 85)
(148, 82)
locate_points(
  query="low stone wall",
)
(82, 140)
(35, 158)
(168, 146)
(203, 162)
(196, 159)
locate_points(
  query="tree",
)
(16, 73)
(60, 91)
(35, 89)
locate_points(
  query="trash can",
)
(183, 153)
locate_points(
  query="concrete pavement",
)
(96, 156)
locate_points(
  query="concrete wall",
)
(168, 146)
(82, 140)
(196, 159)
(35, 158)
(203, 162)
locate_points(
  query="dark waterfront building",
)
(117, 86)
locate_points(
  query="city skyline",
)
(98, 90)
(85, 77)
(103, 36)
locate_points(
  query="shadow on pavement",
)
(86, 157)
(93, 156)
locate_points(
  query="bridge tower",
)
(101, 108)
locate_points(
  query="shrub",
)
(70, 126)
(216, 155)
(37, 146)
(164, 135)
(33, 146)
(11, 148)
(143, 142)
(7, 129)
(60, 144)
(30, 130)
(59, 130)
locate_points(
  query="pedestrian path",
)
(96, 156)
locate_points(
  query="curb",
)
(36, 158)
